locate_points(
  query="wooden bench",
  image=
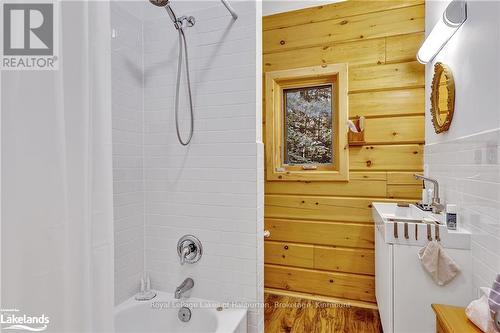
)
(452, 319)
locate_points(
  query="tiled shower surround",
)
(212, 188)
(208, 189)
(128, 193)
(468, 170)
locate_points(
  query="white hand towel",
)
(437, 263)
(478, 312)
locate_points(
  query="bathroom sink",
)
(412, 226)
(392, 210)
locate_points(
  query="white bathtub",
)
(160, 315)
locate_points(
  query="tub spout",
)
(185, 286)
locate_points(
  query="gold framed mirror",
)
(442, 98)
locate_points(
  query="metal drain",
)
(184, 314)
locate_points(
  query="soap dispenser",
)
(451, 216)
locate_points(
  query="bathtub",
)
(161, 315)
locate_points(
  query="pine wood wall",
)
(322, 234)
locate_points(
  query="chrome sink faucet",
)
(437, 207)
(185, 286)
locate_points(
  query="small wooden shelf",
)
(356, 138)
(452, 319)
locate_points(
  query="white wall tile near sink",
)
(468, 170)
(465, 159)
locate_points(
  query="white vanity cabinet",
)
(404, 290)
(384, 281)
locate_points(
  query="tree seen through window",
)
(308, 125)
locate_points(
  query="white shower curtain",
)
(57, 212)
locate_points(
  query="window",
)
(308, 125)
(306, 131)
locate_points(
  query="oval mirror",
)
(442, 98)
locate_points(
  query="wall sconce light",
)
(453, 17)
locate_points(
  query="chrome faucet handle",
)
(186, 250)
(189, 249)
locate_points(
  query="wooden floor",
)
(285, 314)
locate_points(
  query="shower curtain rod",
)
(229, 8)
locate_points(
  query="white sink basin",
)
(413, 226)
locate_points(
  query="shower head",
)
(166, 5)
(159, 3)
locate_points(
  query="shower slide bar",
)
(229, 8)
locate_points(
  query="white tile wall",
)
(127, 100)
(468, 170)
(214, 187)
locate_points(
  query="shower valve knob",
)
(189, 249)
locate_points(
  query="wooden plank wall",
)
(322, 232)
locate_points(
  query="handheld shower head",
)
(159, 3)
(180, 24)
(171, 13)
(166, 5)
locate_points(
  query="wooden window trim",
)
(276, 82)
